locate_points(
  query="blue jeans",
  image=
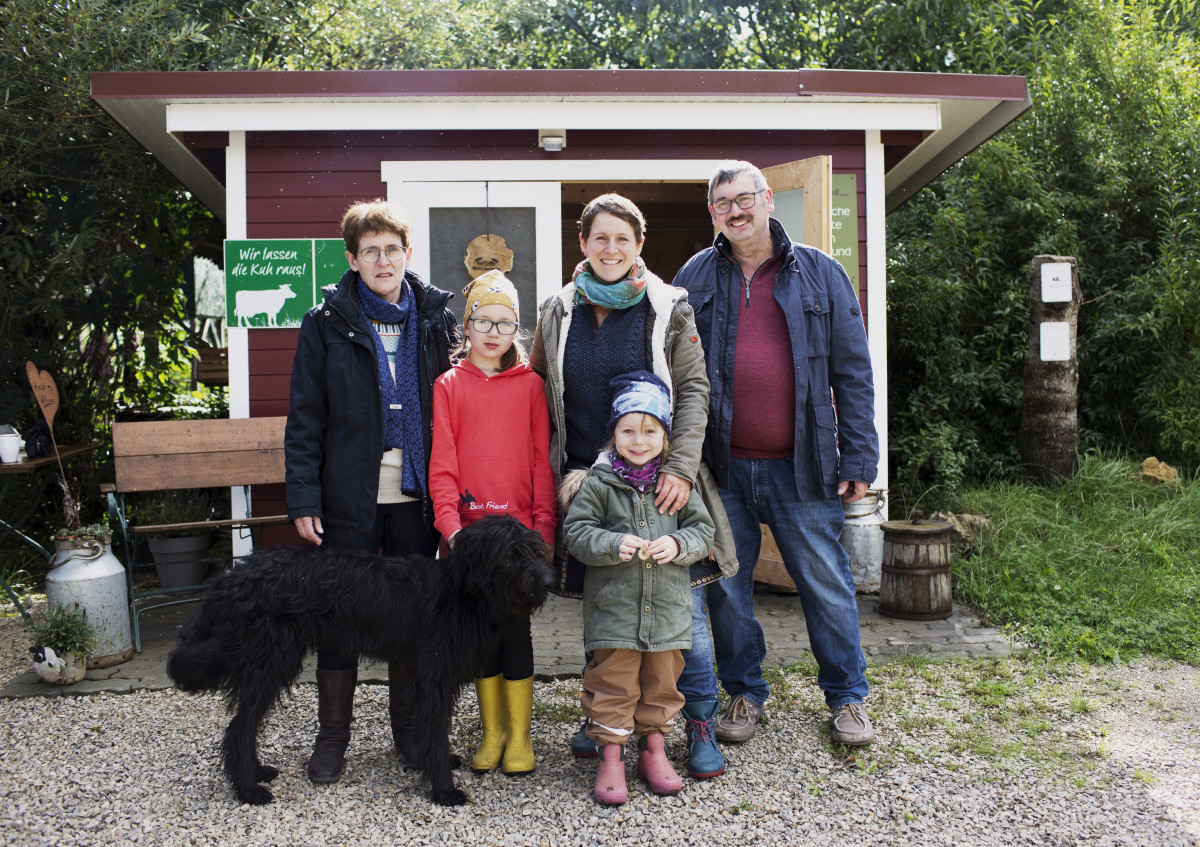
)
(698, 681)
(764, 491)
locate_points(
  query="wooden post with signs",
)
(1050, 405)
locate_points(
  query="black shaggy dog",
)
(438, 617)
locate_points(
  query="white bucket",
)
(862, 539)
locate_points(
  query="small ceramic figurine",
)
(47, 663)
(54, 668)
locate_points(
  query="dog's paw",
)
(255, 796)
(448, 797)
(265, 773)
(408, 757)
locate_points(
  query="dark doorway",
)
(677, 221)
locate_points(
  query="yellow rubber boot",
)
(491, 714)
(518, 699)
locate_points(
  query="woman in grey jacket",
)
(615, 317)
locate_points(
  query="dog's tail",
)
(198, 662)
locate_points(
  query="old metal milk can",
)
(84, 571)
(862, 538)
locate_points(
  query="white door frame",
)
(418, 197)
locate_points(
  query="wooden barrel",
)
(915, 576)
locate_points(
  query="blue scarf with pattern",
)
(400, 398)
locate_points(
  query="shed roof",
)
(954, 113)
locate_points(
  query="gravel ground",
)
(1018, 751)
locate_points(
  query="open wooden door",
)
(803, 192)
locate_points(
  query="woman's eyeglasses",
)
(394, 252)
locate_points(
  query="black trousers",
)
(514, 655)
(399, 529)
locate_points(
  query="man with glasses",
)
(784, 340)
(358, 433)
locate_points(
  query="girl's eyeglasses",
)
(485, 326)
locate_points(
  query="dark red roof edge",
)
(553, 83)
(909, 84)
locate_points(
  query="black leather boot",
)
(399, 707)
(335, 709)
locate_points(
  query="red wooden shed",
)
(280, 155)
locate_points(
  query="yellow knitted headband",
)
(491, 289)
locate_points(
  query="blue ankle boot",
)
(705, 759)
(582, 746)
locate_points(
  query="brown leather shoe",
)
(739, 721)
(851, 725)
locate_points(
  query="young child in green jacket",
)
(637, 602)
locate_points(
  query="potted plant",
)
(83, 568)
(178, 553)
(77, 544)
(63, 640)
(93, 534)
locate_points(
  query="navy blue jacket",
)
(333, 442)
(829, 350)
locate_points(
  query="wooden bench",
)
(168, 455)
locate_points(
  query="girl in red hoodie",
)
(491, 443)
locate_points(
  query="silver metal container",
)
(862, 538)
(85, 571)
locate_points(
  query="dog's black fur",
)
(437, 617)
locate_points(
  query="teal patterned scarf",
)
(610, 295)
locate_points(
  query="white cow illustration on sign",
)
(247, 304)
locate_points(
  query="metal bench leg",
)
(117, 519)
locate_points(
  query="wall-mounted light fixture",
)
(552, 140)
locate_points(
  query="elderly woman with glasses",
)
(357, 442)
(614, 317)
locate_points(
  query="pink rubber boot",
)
(610, 777)
(654, 766)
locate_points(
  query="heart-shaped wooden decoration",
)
(45, 390)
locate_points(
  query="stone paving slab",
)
(558, 644)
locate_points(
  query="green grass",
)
(1102, 568)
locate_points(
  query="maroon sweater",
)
(764, 376)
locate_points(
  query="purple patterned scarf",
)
(642, 478)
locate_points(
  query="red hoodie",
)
(491, 445)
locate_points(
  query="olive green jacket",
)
(676, 356)
(640, 604)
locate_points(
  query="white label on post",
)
(1055, 344)
(1056, 282)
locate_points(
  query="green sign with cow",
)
(272, 282)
